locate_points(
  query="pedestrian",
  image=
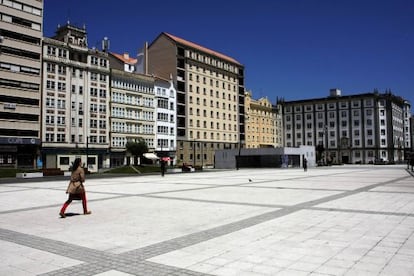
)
(305, 164)
(412, 162)
(162, 167)
(76, 189)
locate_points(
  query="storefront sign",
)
(19, 141)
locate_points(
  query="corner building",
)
(210, 97)
(75, 101)
(20, 82)
(361, 128)
(132, 108)
(263, 123)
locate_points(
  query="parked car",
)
(186, 167)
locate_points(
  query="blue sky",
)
(295, 49)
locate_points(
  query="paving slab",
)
(345, 220)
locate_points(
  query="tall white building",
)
(75, 103)
(132, 110)
(20, 70)
(362, 128)
(166, 121)
(142, 107)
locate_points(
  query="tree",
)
(137, 149)
(320, 149)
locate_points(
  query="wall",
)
(264, 157)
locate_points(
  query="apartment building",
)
(75, 101)
(210, 96)
(361, 128)
(20, 81)
(132, 111)
(142, 106)
(412, 133)
(263, 123)
(123, 62)
(165, 123)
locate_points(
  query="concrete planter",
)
(29, 175)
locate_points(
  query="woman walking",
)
(75, 189)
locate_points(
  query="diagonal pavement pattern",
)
(346, 220)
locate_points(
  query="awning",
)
(150, 155)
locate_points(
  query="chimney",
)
(334, 92)
(105, 44)
(126, 56)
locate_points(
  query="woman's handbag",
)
(75, 187)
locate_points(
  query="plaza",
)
(340, 220)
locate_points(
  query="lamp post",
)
(202, 155)
(241, 142)
(325, 141)
(194, 157)
(87, 152)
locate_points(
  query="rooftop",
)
(201, 48)
(125, 58)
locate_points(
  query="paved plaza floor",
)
(345, 220)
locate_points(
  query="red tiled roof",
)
(201, 48)
(125, 59)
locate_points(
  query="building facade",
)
(132, 113)
(75, 101)
(210, 97)
(263, 124)
(412, 133)
(363, 128)
(165, 123)
(21, 25)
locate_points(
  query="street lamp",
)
(87, 153)
(325, 141)
(241, 142)
(202, 155)
(194, 162)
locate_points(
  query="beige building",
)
(20, 63)
(263, 123)
(210, 97)
(75, 101)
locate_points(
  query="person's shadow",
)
(71, 214)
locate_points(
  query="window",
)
(60, 137)
(64, 160)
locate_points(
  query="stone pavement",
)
(348, 220)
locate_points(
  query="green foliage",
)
(136, 149)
